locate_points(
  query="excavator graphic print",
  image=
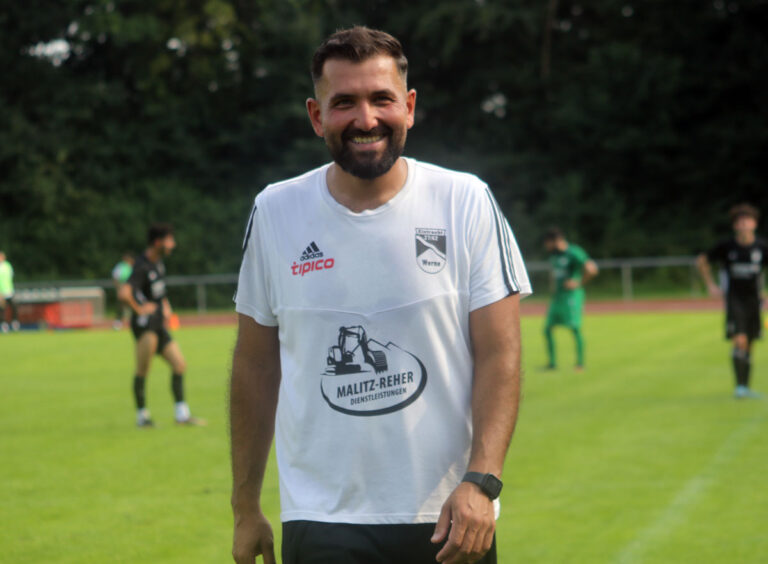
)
(365, 377)
(353, 344)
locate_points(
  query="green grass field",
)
(643, 458)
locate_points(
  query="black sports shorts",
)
(742, 316)
(312, 542)
(163, 336)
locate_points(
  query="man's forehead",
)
(373, 74)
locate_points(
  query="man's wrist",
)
(488, 483)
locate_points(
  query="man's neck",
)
(358, 194)
(745, 238)
(152, 254)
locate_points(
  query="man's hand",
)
(714, 290)
(571, 284)
(468, 515)
(146, 309)
(253, 536)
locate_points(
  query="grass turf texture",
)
(642, 458)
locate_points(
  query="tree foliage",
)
(633, 125)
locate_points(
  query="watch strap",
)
(488, 483)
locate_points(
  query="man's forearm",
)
(496, 395)
(125, 294)
(495, 398)
(253, 403)
(705, 270)
(167, 310)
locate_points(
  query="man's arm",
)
(702, 263)
(167, 310)
(468, 513)
(252, 405)
(125, 295)
(588, 271)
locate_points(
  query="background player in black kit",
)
(145, 294)
(742, 258)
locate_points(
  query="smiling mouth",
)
(365, 139)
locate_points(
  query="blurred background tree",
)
(633, 125)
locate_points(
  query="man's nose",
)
(366, 118)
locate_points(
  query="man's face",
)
(165, 245)
(363, 111)
(557, 245)
(744, 224)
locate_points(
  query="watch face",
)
(492, 486)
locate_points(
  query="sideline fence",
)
(620, 277)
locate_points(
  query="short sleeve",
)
(138, 275)
(581, 256)
(252, 295)
(496, 265)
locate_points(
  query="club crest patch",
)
(431, 245)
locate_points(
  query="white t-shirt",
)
(373, 418)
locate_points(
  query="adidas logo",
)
(311, 260)
(311, 252)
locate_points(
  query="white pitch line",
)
(693, 489)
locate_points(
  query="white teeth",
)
(370, 139)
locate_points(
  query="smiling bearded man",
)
(378, 338)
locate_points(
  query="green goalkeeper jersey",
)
(568, 265)
(6, 279)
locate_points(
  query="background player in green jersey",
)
(571, 269)
(6, 295)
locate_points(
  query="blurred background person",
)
(145, 293)
(6, 295)
(742, 258)
(571, 269)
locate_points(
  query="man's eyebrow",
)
(341, 96)
(345, 96)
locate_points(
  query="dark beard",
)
(367, 166)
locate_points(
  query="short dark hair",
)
(740, 210)
(358, 44)
(552, 234)
(159, 231)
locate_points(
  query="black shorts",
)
(312, 542)
(742, 317)
(163, 336)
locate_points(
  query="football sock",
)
(550, 345)
(579, 346)
(2, 314)
(138, 392)
(741, 364)
(747, 368)
(177, 387)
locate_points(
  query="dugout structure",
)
(61, 308)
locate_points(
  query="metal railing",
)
(201, 282)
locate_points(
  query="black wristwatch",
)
(489, 483)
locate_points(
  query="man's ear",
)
(410, 103)
(315, 116)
